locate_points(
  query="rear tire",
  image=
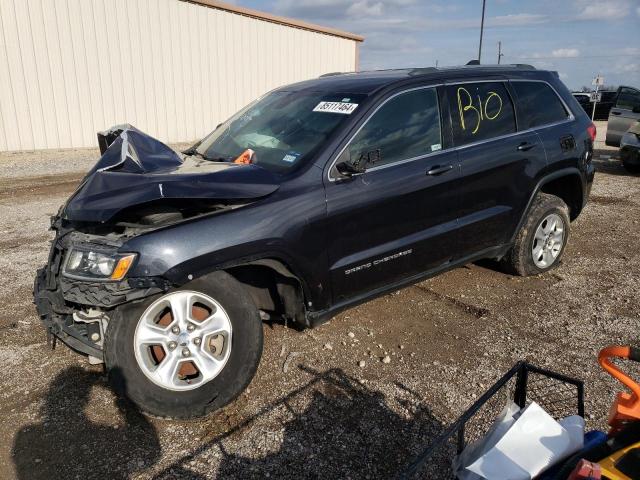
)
(540, 243)
(179, 398)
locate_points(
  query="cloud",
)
(627, 68)
(500, 21)
(630, 51)
(516, 20)
(365, 9)
(638, 11)
(603, 9)
(565, 53)
(339, 9)
(563, 76)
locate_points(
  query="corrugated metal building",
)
(173, 68)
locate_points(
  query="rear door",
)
(398, 218)
(624, 114)
(540, 108)
(498, 163)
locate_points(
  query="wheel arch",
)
(568, 187)
(274, 287)
(555, 184)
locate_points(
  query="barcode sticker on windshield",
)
(336, 107)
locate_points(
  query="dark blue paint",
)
(138, 169)
(320, 228)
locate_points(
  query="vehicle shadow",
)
(66, 443)
(331, 424)
(608, 161)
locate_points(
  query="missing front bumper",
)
(71, 310)
(58, 321)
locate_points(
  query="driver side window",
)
(405, 127)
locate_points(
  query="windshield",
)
(279, 130)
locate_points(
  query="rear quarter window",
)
(480, 111)
(538, 105)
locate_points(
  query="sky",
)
(577, 38)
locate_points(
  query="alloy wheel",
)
(183, 340)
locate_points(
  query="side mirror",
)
(636, 109)
(358, 166)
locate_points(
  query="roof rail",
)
(422, 70)
(524, 66)
(331, 74)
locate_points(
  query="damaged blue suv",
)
(314, 198)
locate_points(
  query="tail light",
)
(591, 131)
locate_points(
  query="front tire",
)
(541, 241)
(188, 352)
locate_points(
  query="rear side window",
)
(480, 111)
(538, 105)
(407, 126)
(629, 98)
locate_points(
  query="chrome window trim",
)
(570, 118)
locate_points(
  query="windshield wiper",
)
(195, 153)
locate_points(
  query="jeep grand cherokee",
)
(314, 198)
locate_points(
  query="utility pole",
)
(436, 63)
(484, 2)
(500, 54)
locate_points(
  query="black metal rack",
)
(558, 394)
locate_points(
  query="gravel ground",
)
(339, 410)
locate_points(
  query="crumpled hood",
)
(137, 169)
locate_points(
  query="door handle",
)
(524, 146)
(437, 170)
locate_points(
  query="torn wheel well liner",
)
(273, 287)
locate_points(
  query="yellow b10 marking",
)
(480, 110)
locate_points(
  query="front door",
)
(397, 219)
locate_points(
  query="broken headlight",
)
(95, 265)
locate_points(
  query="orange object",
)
(626, 406)
(246, 157)
(122, 267)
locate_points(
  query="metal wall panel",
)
(69, 68)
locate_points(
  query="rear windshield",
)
(281, 129)
(538, 105)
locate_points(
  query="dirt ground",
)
(449, 338)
